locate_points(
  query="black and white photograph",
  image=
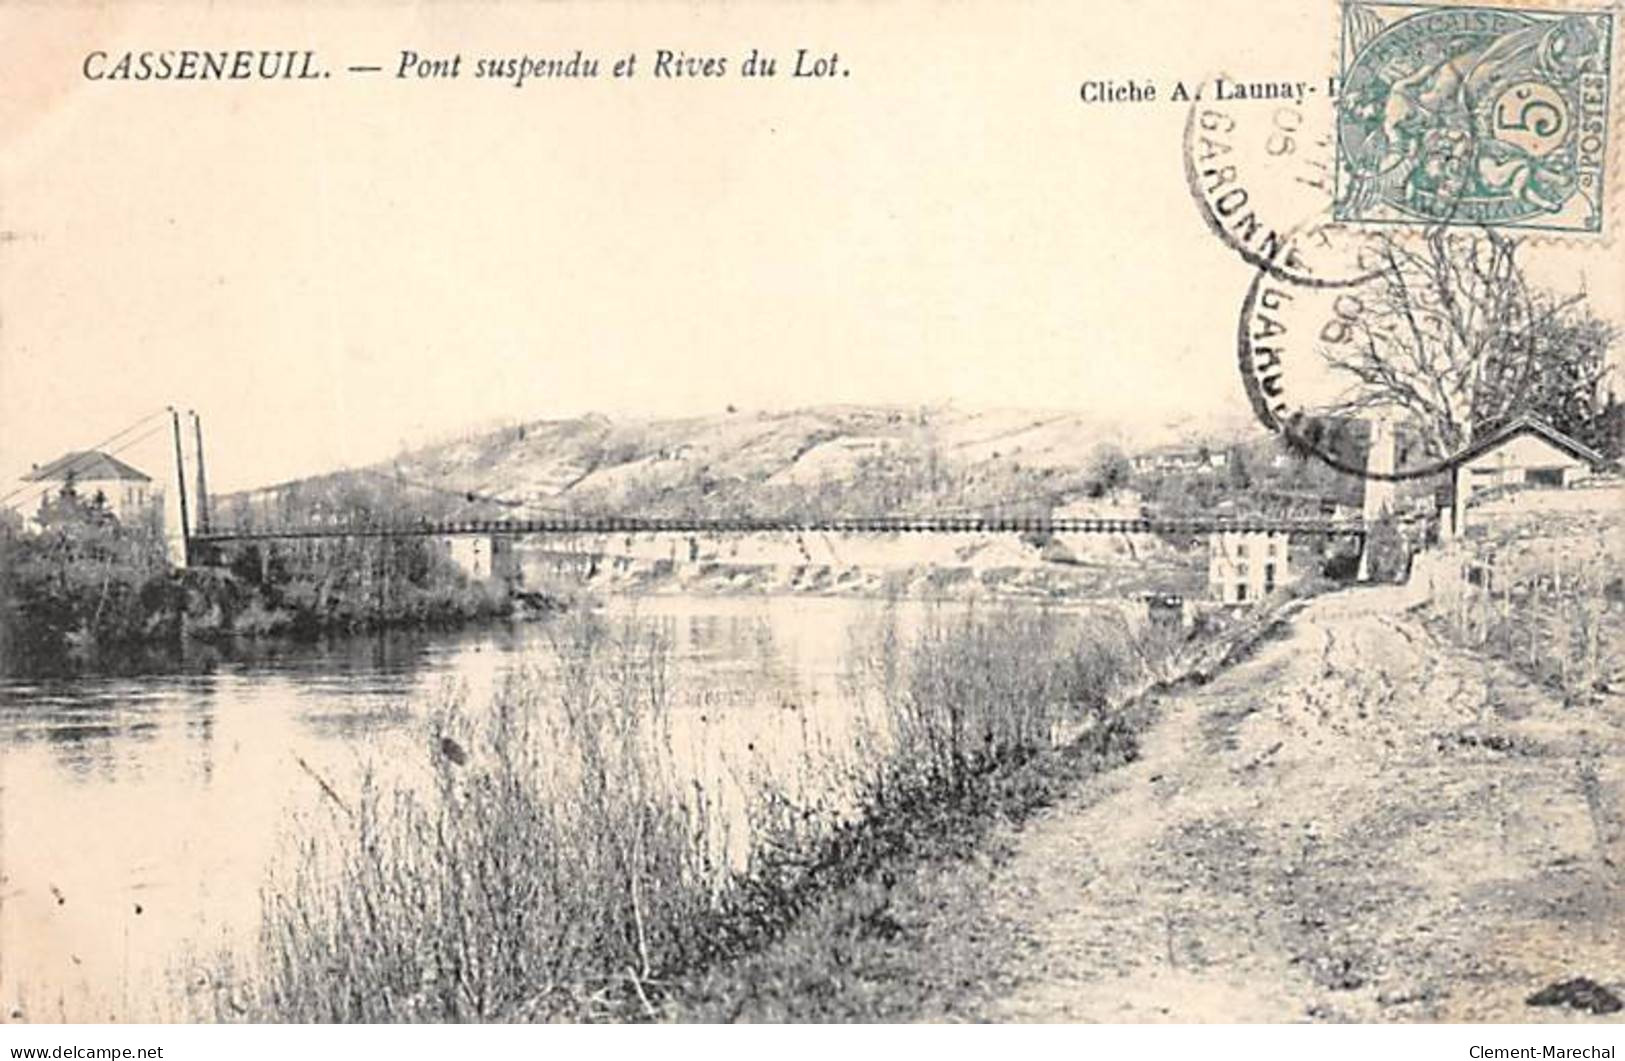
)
(729, 512)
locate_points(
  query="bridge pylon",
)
(1379, 493)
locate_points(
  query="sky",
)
(328, 271)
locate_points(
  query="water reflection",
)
(142, 804)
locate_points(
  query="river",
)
(139, 815)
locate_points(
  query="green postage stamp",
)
(1473, 116)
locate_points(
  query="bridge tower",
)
(1379, 493)
(202, 499)
(178, 533)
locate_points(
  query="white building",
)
(1524, 453)
(1246, 566)
(1178, 459)
(480, 556)
(127, 492)
(471, 553)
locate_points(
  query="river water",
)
(139, 815)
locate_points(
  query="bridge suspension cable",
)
(41, 488)
(471, 495)
(88, 455)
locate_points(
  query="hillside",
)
(804, 463)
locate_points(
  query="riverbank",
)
(1030, 566)
(83, 585)
(444, 898)
(906, 935)
(1016, 581)
(1358, 822)
(148, 621)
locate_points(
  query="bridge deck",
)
(876, 525)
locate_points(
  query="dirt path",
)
(1358, 823)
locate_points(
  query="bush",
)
(544, 866)
(981, 693)
(83, 580)
(550, 860)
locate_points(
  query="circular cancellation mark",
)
(1325, 296)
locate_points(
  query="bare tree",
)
(1450, 332)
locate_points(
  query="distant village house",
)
(1176, 459)
(481, 556)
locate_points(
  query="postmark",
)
(1261, 173)
(1450, 336)
(1289, 339)
(1480, 116)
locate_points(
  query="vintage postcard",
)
(744, 511)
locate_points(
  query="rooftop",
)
(1531, 425)
(86, 466)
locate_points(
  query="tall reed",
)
(543, 864)
(555, 857)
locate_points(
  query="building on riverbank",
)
(1246, 566)
(128, 492)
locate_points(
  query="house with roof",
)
(128, 492)
(1181, 459)
(1524, 453)
(1244, 567)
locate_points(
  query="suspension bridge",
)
(199, 526)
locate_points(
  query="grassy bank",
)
(86, 590)
(1554, 607)
(557, 855)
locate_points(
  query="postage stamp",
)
(1473, 116)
